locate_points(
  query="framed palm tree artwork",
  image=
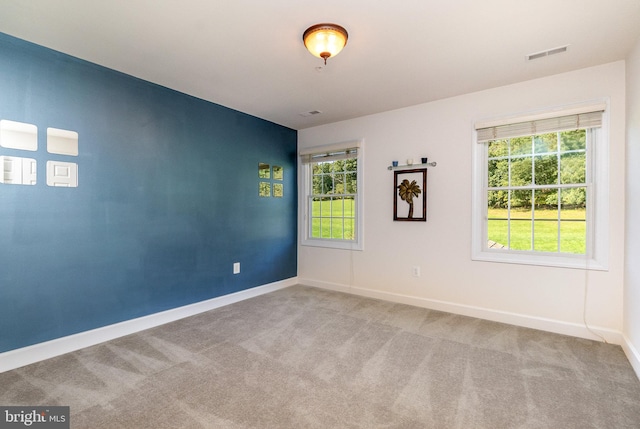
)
(410, 195)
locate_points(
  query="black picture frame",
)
(410, 195)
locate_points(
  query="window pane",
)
(546, 235)
(521, 202)
(546, 202)
(324, 208)
(497, 231)
(574, 202)
(315, 228)
(546, 169)
(338, 183)
(498, 172)
(337, 229)
(521, 171)
(351, 165)
(316, 185)
(352, 183)
(573, 237)
(326, 183)
(573, 227)
(573, 168)
(546, 220)
(349, 228)
(546, 143)
(337, 213)
(325, 229)
(497, 202)
(337, 207)
(520, 234)
(521, 146)
(498, 148)
(349, 207)
(337, 166)
(573, 140)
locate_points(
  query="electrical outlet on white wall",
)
(415, 271)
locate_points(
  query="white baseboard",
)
(540, 323)
(632, 354)
(38, 352)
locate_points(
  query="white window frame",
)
(305, 189)
(597, 255)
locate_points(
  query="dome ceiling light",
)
(325, 40)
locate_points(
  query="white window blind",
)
(330, 152)
(562, 122)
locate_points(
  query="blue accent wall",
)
(167, 200)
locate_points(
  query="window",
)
(540, 194)
(333, 195)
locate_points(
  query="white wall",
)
(632, 250)
(541, 297)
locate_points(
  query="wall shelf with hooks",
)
(408, 166)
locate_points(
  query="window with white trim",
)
(541, 189)
(332, 184)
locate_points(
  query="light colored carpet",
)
(308, 358)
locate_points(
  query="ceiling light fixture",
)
(325, 40)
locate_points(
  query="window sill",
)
(332, 244)
(546, 260)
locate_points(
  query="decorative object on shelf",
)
(410, 161)
(424, 160)
(325, 40)
(394, 165)
(410, 195)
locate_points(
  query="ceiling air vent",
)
(547, 53)
(310, 113)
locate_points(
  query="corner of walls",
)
(631, 313)
(632, 354)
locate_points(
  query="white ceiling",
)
(248, 54)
